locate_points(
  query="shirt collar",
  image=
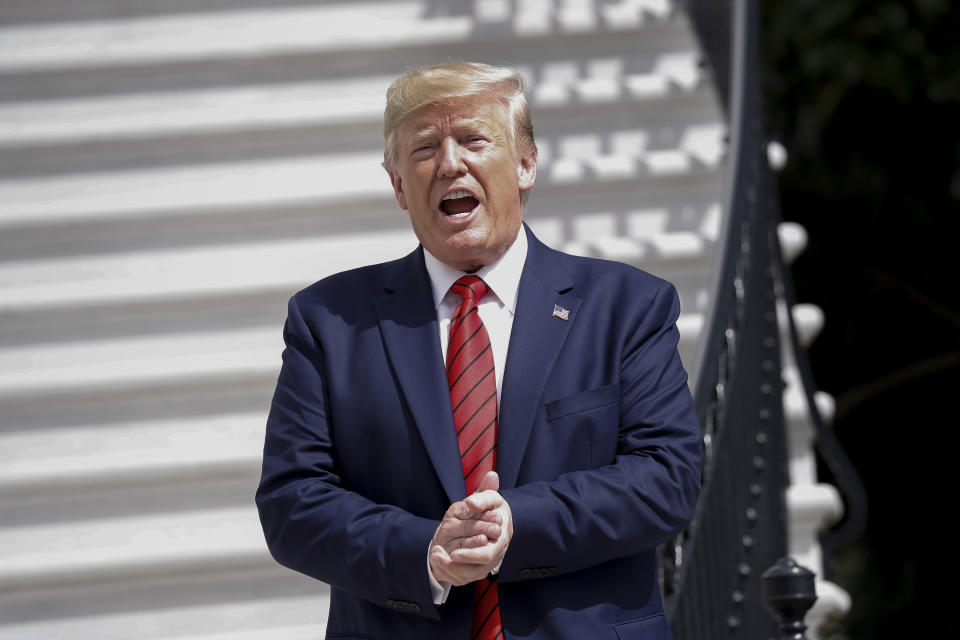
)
(502, 275)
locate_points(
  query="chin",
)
(467, 241)
(464, 256)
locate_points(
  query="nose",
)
(451, 160)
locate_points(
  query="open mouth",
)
(458, 204)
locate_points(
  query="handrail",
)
(711, 572)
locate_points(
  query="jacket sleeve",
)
(314, 525)
(649, 491)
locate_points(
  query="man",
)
(486, 438)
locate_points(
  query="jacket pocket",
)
(650, 628)
(583, 428)
(583, 401)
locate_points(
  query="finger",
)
(457, 529)
(477, 536)
(439, 554)
(487, 554)
(445, 570)
(493, 516)
(493, 530)
(490, 554)
(489, 482)
(470, 533)
(478, 556)
(457, 574)
(439, 562)
(460, 510)
(488, 531)
(484, 501)
(471, 542)
(458, 519)
(442, 574)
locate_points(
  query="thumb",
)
(489, 482)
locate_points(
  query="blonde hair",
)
(423, 86)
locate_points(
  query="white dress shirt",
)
(496, 309)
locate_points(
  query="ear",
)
(527, 170)
(397, 183)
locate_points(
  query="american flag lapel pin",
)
(560, 312)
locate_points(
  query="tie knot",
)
(472, 287)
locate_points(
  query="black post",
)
(789, 593)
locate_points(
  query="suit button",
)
(538, 572)
(403, 605)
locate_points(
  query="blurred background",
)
(171, 171)
(865, 97)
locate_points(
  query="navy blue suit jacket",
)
(598, 453)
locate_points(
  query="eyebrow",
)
(429, 130)
(422, 135)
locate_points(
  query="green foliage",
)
(895, 64)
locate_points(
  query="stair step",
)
(154, 191)
(255, 31)
(193, 272)
(291, 30)
(135, 363)
(88, 119)
(212, 604)
(155, 544)
(258, 620)
(286, 30)
(71, 460)
(624, 14)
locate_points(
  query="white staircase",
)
(171, 171)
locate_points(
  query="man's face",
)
(459, 175)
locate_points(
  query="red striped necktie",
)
(473, 395)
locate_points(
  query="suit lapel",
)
(408, 324)
(535, 341)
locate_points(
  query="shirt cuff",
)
(438, 590)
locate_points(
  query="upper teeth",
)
(453, 195)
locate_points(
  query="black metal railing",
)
(712, 573)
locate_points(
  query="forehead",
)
(461, 112)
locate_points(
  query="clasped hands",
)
(473, 536)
